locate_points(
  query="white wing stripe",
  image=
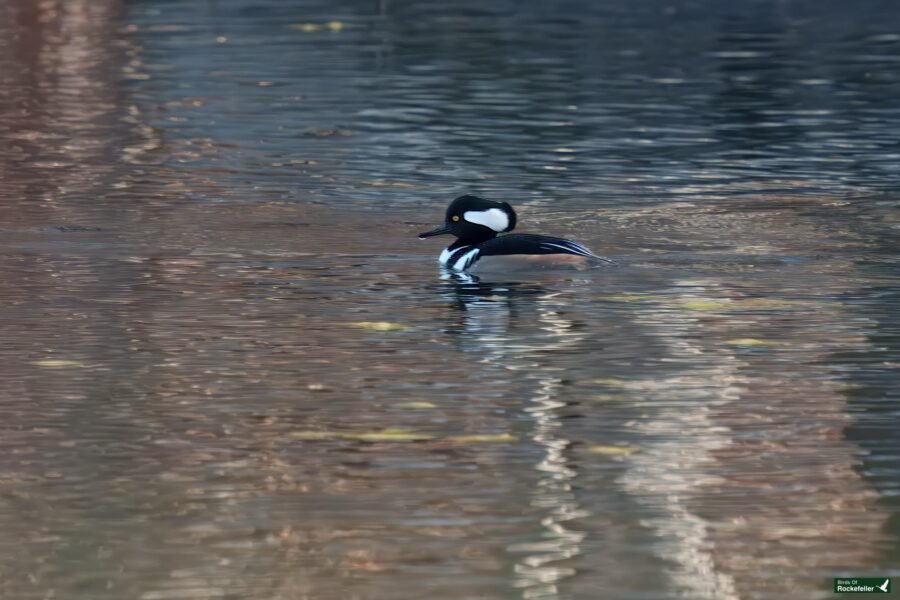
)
(569, 247)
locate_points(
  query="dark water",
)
(230, 370)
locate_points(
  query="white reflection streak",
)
(488, 322)
(675, 463)
(553, 490)
(665, 475)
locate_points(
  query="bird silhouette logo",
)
(884, 586)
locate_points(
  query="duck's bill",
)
(443, 229)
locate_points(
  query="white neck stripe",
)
(458, 259)
(463, 262)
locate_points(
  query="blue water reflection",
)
(231, 370)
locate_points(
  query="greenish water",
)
(230, 370)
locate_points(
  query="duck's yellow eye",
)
(455, 217)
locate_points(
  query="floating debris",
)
(312, 435)
(58, 363)
(610, 381)
(485, 437)
(388, 435)
(380, 325)
(612, 450)
(624, 298)
(750, 342)
(313, 27)
(329, 132)
(396, 434)
(703, 305)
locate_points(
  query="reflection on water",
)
(488, 328)
(231, 370)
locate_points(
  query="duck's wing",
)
(529, 243)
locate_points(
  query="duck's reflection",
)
(486, 312)
(739, 448)
(518, 326)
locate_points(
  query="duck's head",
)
(473, 219)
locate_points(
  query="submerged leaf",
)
(624, 298)
(610, 381)
(330, 132)
(486, 437)
(392, 184)
(605, 397)
(612, 450)
(313, 27)
(771, 303)
(306, 27)
(311, 435)
(57, 363)
(750, 342)
(388, 435)
(415, 405)
(702, 304)
(380, 325)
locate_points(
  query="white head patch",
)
(494, 218)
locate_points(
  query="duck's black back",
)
(529, 243)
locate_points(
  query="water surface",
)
(230, 370)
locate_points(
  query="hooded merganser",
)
(476, 222)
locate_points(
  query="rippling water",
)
(230, 370)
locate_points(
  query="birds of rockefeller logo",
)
(862, 585)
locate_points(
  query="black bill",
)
(439, 231)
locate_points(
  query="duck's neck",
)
(471, 240)
(452, 251)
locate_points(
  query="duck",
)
(478, 224)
